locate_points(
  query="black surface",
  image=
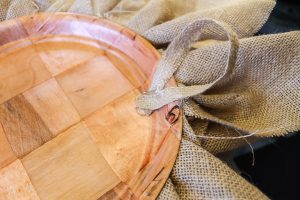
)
(285, 17)
(277, 168)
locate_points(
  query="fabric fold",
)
(208, 178)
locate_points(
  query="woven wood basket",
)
(69, 128)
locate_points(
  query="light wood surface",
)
(70, 167)
(100, 84)
(7, 155)
(58, 61)
(15, 183)
(115, 138)
(18, 75)
(49, 96)
(69, 128)
(24, 128)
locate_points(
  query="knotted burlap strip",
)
(172, 60)
(262, 97)
(259, 94)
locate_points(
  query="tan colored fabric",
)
(205, 179)
(158, 20)
(161, 20)
(172, 61)
(15, 8)
(3, 9)
(251, 92)
(263, 95)
(258, 94)
(265, 82)
(238, 14)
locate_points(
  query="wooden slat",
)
(147, 183)
(114, 128)
(6, 154)
(126, 66)
(94, 84)
(24, 128)
(13, 46)
(15, 183)
(50, 102)
(70, 167)
(62, 24)
(121, 191)
(20, 71)
(11, 31)
(140, 51)
(115, 35)
(61, 54)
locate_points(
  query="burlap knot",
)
(234, 98)
(158, 95)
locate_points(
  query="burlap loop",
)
(172, 60)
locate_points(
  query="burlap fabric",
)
(250, 87)
(259, 94)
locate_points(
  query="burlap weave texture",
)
(262, 96)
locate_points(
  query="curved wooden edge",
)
(91, 27)
(148, 182)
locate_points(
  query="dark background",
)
(277, 168)
(285, 17)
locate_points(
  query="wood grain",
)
(153, 176)
(11, 31)
(19, 71)
(115, 133)
(7, 156)
(144, 54)
(127, 67)
(15, 45)
(121, 191)
(24, 128)
(15, 183)
(67, 108)
(139, 51)
(48, 96)
(94, 84)
(70, 167)
(164, 160)
(61, 54)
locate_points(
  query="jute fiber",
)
(231, 84)
(250, 87)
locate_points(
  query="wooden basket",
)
(69, 129)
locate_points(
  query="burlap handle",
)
(158, 96)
